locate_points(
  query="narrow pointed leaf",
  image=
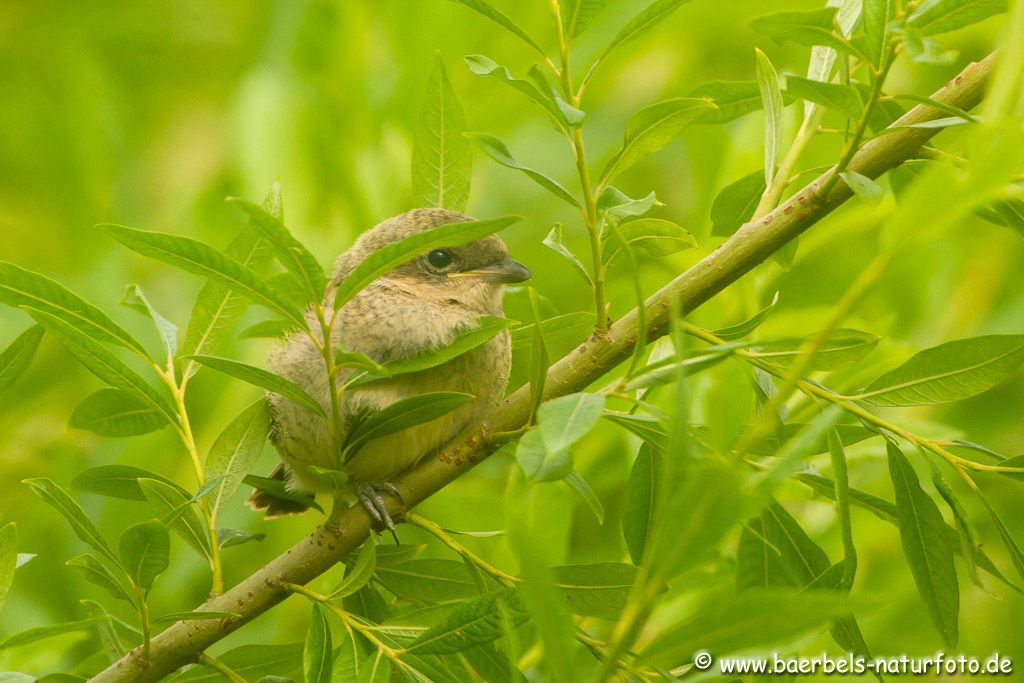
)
(102, 362)
(878, 16)
(201, 259)
(596, 590)
(8, 558)
(387, 258)
(650, 17)
(145, 550)
(118, 481)
(843, 348)
(406, 413)
(360, 573)
(292, 254)
(653, 236)
(736, 202)
(316, 655)
(841, 98)
(176, 509)
(732, 100)
(261, 378)
(497, 150)
(485, 66)
(641, 493)
(93, 571)
(489, 11)
(441, 162)
(38, 633)
(771, 99)
(471, 623)
(67, 506)
(577, 483)
(235, 452)
(948, 372)
(863, 186)
(555, 242)
(651, 128)
(577, 15)
(942, 16)
(740, 330)
(808, 28)
(116, 412)
(571, 327)
(135, 299)
(20, 287)
(16, 358)
(218, 307)
(927, 546)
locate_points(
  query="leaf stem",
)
(446, 538)
(219, 666)
(140, 596)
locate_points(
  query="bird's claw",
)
(371, 499)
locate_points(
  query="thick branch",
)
(183, 642)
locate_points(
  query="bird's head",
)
(469, 275)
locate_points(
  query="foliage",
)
(707, 494)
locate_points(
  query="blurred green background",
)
(150, 113)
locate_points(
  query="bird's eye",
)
(439, 258)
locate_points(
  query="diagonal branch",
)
(183, 642)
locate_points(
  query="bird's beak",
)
(505, 271)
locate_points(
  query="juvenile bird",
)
(416, 308)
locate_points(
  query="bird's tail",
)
(269, 498)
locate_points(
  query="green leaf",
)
(8, 558)
(666, 371)
(538, 357)
(317, 652)
(93, 571)
(235, 452)
(771, 99)
(24, 288)
(578, 484)
(484, 66)
(772, 444)
(843, 348)
(15, 359)
(753, 618)
(38, 633)
(228, 538)
(441, 162)
(863, 186)
(823, 59)
(497, 150)
(102, 362)
(949, 372)
(487, 328)
(360, 573)
(201, 259)
(878, 18)
(1008, 213)
(648, 428)
(176, 509)
(732, 100)
(651, 16)
(263, 379)
(941, 16)
(617, 205)
(172, 617)
(654, 236)
(471, 623)
(927, 547)
(638, 507)
(116, 412)
(403, 414)
(67, 506)
(808, 28)
(218, 307)
(291, 253)
(500, 19)
(387, 258)
(250, 661)
(571, 327)
(145, 549)
(736, 203)
(135, 299)
(118, 481)
(800, 558)
(561, 422)
(429, 580)
(577, 15)
(651, 128)
(555, 242)
(740, 330)
(596, 590)
(842, 98)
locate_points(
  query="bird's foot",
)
(371, 499)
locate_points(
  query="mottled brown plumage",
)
(416, 308)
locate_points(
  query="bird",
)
(416, 308)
